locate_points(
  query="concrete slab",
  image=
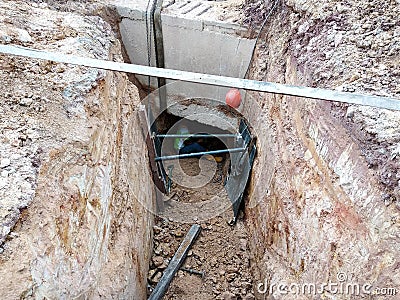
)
(218, 11)
(197, 38)
(135, 42)
(205, 114)
(177, 21)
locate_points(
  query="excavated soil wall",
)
(318, 208)
(72, 149)
(323, 201)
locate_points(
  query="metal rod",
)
(176, 263)
(261, 86)
(178, 156)
(191, 271)
(169, 183)
(197, 135)
(159, 48)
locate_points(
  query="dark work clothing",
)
(192, 148)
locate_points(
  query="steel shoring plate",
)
(237, 181)
(241, 164)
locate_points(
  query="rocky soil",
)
(33, 92)
(361, 45)
(329, 184)
(354, 47)
(69, 214)
(256, 12)
(221, 252)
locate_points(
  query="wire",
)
(258, 37)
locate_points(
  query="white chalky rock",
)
(5, 162)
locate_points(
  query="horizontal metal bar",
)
(178, 156)
(261, 86)
(197, 135)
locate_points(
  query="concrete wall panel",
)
(187, 47)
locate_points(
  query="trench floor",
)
(221, 251)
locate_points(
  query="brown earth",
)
(324, 193)
(220, 252)
(324, 196)
(69, 188)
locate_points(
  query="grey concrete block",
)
(175, 21)
(134, 38)
(133, 14)
(189, 45)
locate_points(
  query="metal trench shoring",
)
(240, 169)
(236, 136)
(241, 161)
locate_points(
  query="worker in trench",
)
(196, 145)
(192, 145)
(189, 144)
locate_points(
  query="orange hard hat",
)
(233, 98)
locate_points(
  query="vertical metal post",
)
(159, 47)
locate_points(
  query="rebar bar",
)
(198, 135)
(198, 154)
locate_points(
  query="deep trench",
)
(221, 253)
(299, 168)
(197, 195)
